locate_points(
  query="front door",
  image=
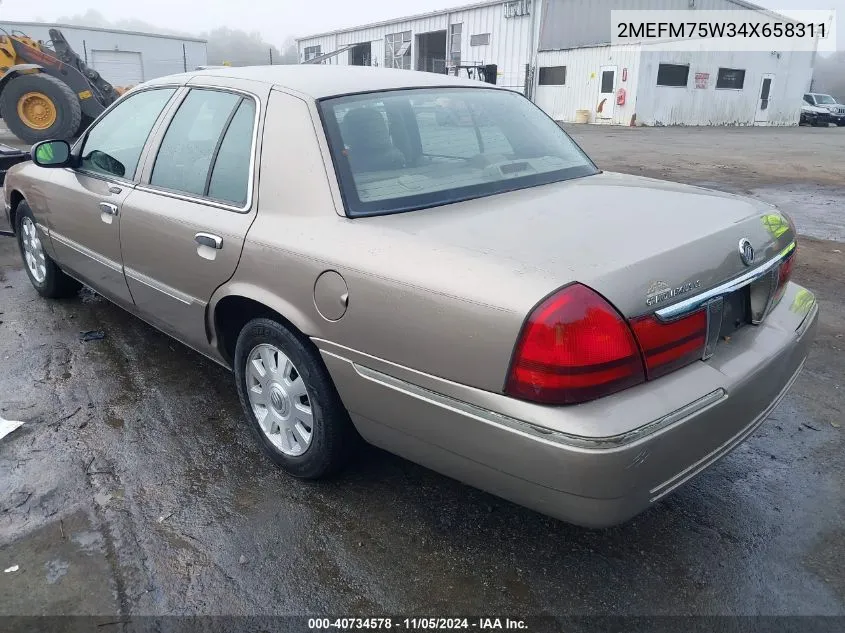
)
(607, 93)
(184, 226)
(87, 202)
(764, 99)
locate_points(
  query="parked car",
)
(814, 115)
(491, 305)
(837, 110)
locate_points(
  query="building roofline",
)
(416, 16)
(186, 38)
(467, 7)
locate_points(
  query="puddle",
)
(114, 422)
(89, 541)
(55, 570)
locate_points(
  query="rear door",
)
(184, 225)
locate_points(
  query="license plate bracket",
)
(736, 311)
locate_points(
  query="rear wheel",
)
(288, 396)
(39, 107)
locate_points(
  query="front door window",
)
(113, 146)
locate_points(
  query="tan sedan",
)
(479, 298)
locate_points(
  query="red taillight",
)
(574, 347)
(784, 274)
(667, 346)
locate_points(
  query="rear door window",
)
(230, 174)
(210, 127)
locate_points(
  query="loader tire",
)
(39, 107)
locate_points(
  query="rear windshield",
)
(410, 149)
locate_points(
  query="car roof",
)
(323, 80)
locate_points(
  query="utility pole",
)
(271, 55)
(184, 58)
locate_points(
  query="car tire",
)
(290, 400)
(45, 275)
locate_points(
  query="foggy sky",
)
(278, 19)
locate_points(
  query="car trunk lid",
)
(644, 244)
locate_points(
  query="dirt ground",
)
(134, 487)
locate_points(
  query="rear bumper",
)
(661, 434)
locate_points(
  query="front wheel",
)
(290, 401)
(46, 277)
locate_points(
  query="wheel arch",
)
(234, 306)
(19, 69)
(15, 198)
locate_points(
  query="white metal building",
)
(123, 58)
(558, 52)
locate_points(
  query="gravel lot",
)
(134, 487)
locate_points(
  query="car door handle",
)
(108, 208)
(207, 239)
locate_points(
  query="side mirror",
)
(51, 154)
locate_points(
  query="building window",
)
(730, 79)
(517, 8)
(672, 75)
(311, 52)
(397, 50)
(553, 76)
(455, 44)
(482, 39)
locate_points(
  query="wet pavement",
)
(134, 487)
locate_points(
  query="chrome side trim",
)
(160, 287)
(533, 431)
(43, 228)
(82, 250)
(693, 303)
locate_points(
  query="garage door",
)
(119, 68)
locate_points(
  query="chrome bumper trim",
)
(693, 303)
(533, 431)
